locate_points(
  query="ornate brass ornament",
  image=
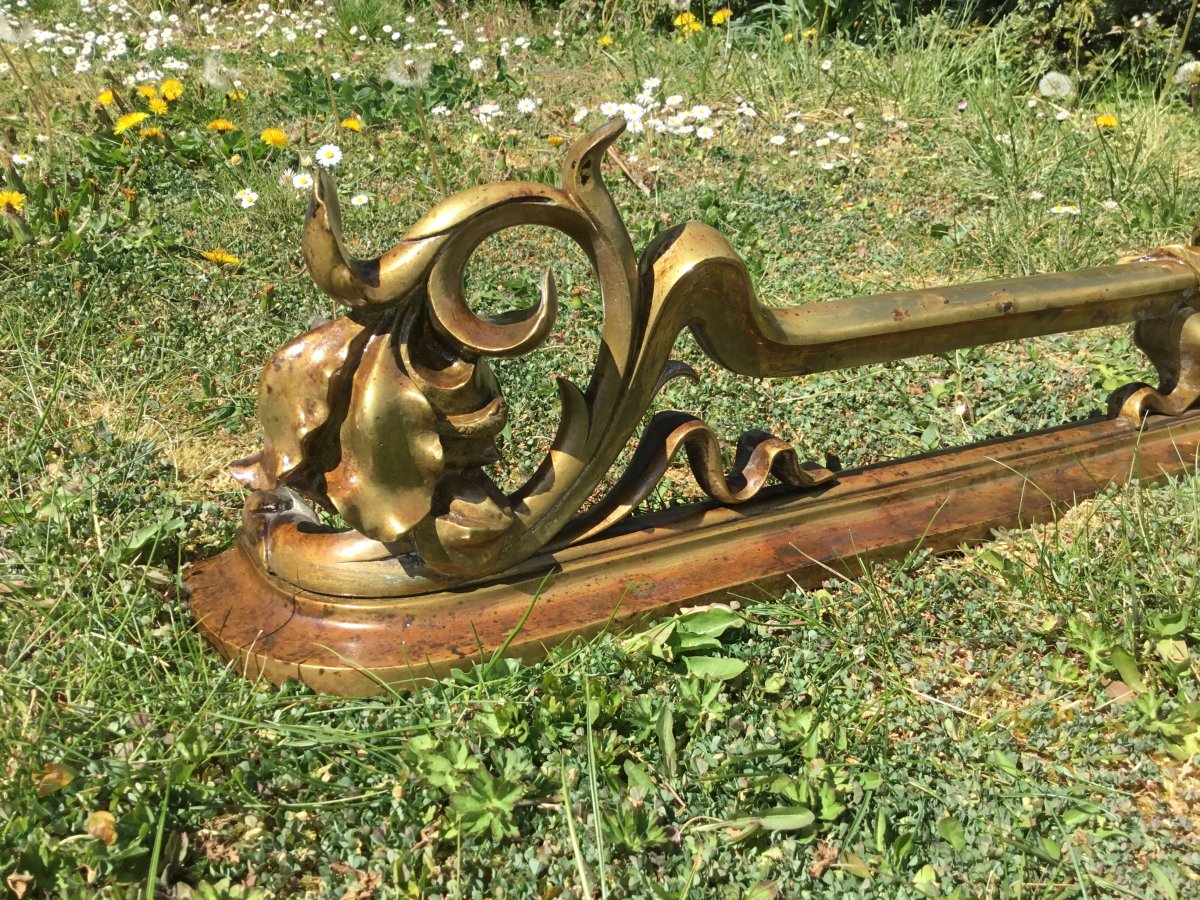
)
(388, 417)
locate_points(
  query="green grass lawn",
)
(1020, 719)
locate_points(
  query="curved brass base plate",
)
(656, 564)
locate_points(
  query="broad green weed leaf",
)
(783, 818)
(637, 777)
(689, 642)
(710, 622)
(951, 829)
(1163, 881)
(1005, 762)
(1173, 652)
(714, 668)
(1170, 624)
(665, 727)
(926, 881)
(1125, 665)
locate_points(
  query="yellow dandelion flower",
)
(787, 38)
(722, 15)
(274, 137)
(1106, 121)
(105, 98)
(605, 41)
(352, 124)
(555, 141)
(148, 91)
(221, 125)
(158, 106)
(129, 120)
(13, 200)
(223, 257)
(151, 132)
(808, 33)
(236, 95)
(172, 89)
(688, 22)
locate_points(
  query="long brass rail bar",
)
(884, 327)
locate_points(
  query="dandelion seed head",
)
(1055, 86)
(1188, 74)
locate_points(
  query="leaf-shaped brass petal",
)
(299, 385)
(391, 453)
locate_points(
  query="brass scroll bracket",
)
(1172, 343)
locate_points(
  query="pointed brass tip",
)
(330, 266)
(592, 144)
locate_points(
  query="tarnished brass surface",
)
(388, 415)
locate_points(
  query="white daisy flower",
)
(526, 105)
(329, 155)
(700, 112)
(580, 115)
(302, 181)
(777, 140)
(248, 198)
(21, 159)
(826, 65)
(704, 132)
(475, 64)
(359, 200)
(608, 109)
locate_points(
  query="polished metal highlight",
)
(388, 415)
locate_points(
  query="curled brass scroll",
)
(389, 414)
